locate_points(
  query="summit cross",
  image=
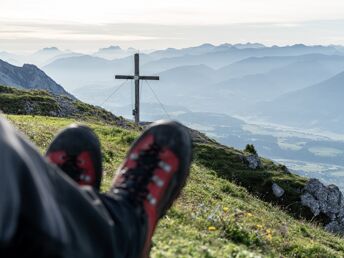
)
(137, 77)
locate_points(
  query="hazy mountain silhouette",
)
(114, 52)
(238, 93)
(78, 71)
(10, 58)
(197, 86)
(178, 86)
(255, 65)
(201, 49)
(246, 76)
(39, 58)
(158, 61)
(249, 45)
(43, 56)
(174, 52)
(317, 106)
(187, 78)
(227, 55)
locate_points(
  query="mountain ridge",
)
(320, 103)
(29, 77)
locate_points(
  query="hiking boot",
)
(76, 151)
(154, 173)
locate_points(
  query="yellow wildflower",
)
(211, 228)
(269, 236)
(225, 209)
(258, 226)
(249, 214)
(268, 231)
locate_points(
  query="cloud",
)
(118, 32)
(85, 36)
(176, 12)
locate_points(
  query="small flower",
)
(269, 236)
(249, 214)
(268, 231)
(258, 226)
(225, 209)
(211, 228)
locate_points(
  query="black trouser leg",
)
(44, 214)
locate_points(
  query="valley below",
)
(311, 153)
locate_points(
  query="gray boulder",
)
(253, 161)
(335, 227)
(326, 200)
(309, 201)
(277, 190)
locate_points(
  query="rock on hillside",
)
(325, 200)
(29, 77)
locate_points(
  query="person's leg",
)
(69, 147)
(156, 168)
(42, 212)
(147, 183)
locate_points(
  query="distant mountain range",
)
(48, 55)
(114, 52)
(317, 106)
(29, 77)
(78, 71)
(39, 58)
(10, 58)
(226, 78)
(74, 72)
(200, 87)
(219, 56)
(296, 73)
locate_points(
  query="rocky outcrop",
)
(253, 161)
(327, 201)
(29, 77)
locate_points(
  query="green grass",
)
(39, 102)
(15, 101)
(226, 209)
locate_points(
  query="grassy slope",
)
(39, 102)
(214, 217)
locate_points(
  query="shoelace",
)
(137, 179)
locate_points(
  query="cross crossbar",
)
(132, 77)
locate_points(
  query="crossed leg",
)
(43, 213)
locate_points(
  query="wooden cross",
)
(137, 77)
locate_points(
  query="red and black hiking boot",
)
(154, 173)
(76, 151)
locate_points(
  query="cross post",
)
(137, 77)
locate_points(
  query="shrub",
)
(250, 149)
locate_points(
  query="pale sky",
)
(83, 25)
